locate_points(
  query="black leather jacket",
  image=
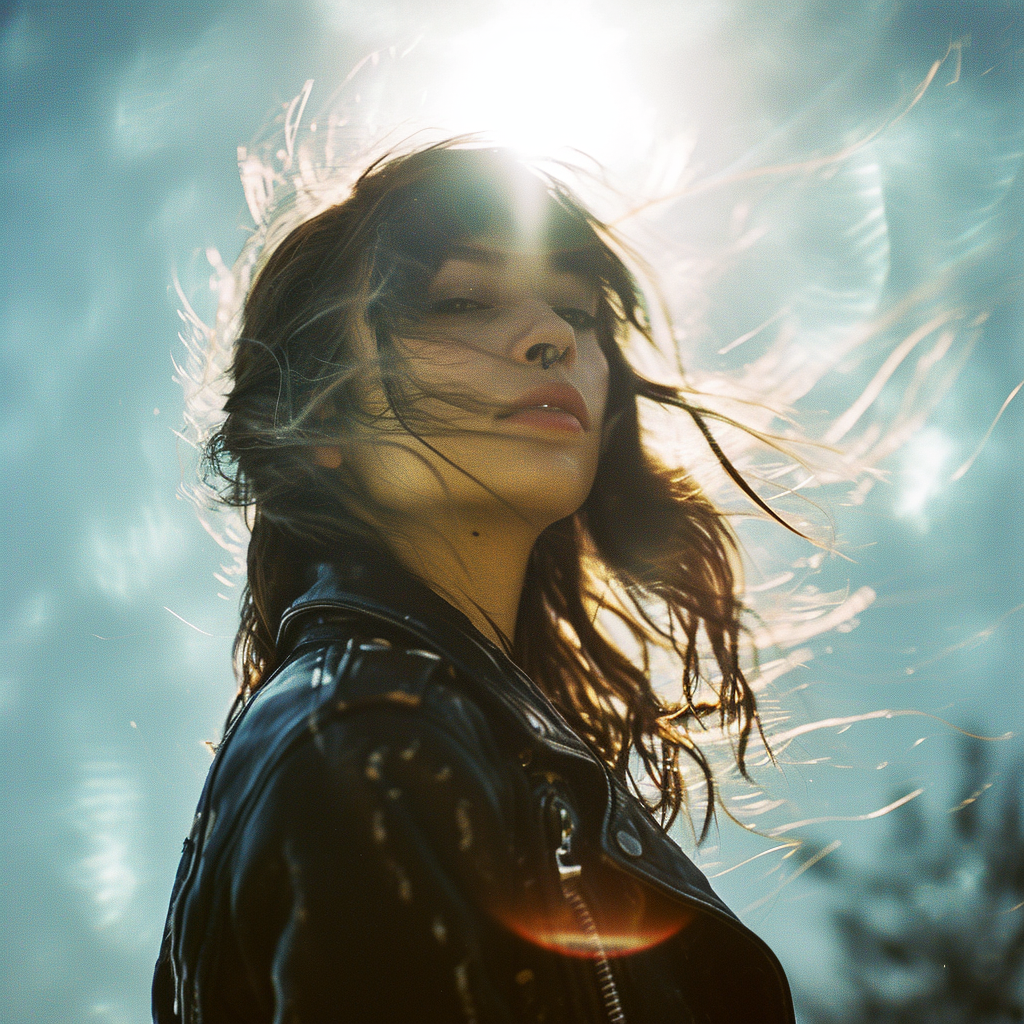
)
(398, 827)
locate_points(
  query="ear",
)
(327, 456)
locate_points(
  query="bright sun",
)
(546, 77)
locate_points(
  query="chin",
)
(524, 481)
(542, 490)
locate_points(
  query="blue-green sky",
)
(119, 170)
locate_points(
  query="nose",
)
(543, 337)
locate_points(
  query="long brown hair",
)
(647, 562)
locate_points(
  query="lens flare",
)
(570, 938)
(614, 916)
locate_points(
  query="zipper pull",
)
(561, 824)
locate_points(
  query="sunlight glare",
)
(543, 78)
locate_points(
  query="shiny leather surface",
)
(371, 845)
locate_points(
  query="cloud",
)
(104, 811)
(22, 44)
(124, 558)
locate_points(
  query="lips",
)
(555, 398)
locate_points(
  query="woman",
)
(461, 558)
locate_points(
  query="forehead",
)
(483, 197)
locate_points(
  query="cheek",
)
(429, 361)
(595, 380)
(442, 377)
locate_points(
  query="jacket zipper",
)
(569, 877)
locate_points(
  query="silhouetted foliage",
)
(933, 930)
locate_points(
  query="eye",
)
(458, 305)
(577, 319)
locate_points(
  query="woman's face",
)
(507, 439)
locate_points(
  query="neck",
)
(476, 565)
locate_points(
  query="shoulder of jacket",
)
(328, 702)
(338, 682)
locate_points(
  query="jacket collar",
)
(366, 580)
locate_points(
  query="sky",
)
(791, 186)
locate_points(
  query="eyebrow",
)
(473, 253)
(558, 261)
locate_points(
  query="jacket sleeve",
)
(372, 873)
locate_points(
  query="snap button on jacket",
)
(399, 827)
